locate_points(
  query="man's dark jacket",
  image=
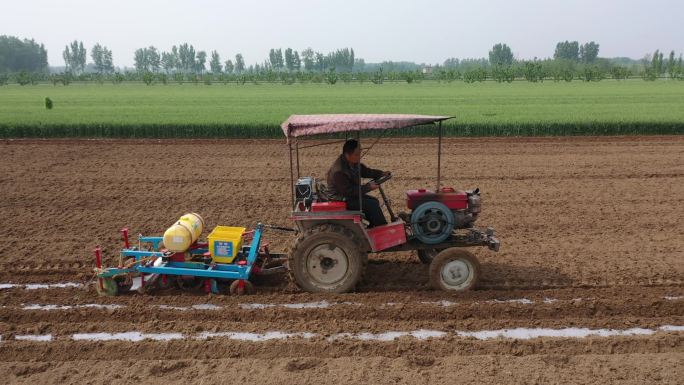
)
(343, 179)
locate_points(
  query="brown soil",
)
(596, 224)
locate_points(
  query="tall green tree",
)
(296, 61)
(96, 53)
(186, 57)
(661, 66)
(239, 63)
(275, 57)
(200, 62)
(107, 60)
(568, 50)
(352, 59)
(229, 67)
(140, 60)
(147, 59)
(102, 59)
(308, 59)
(289, 59)
(169, 60)
(74, 55)
(341, 59)
(176, 58)
(281, 60)
(271, 58)
(500, 55)
(649, 63)
(657, 63)
(153, 58)
(215, 63)
(320, 62)
(671, 65)
(588, 52)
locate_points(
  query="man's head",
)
(352, 151)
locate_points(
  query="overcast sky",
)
(426, 31)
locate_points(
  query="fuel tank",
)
(453, 199)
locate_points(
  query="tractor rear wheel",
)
(328, 258)
(454, 269)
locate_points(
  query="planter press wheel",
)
(106, 287)
(165, 282)
(241, 287)
(454, 270)
(188, 283)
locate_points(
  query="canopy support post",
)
(358, 170)
(289, 146)
(297, 147)
(439, 155)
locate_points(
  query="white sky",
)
(426, 31)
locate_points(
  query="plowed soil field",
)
(588, 286)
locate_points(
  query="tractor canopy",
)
(305, 125)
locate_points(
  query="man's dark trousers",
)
(371, 208)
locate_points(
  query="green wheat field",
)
(256, 110)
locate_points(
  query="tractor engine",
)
(434, 215)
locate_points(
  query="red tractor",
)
(330, 253)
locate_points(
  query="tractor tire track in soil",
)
(592, 234)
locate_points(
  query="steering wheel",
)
(379, 182)
(382, 179)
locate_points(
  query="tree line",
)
(25, 61)
(186, 59)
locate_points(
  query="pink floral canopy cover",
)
(305, 125)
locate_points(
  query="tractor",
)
(330, 252)
(332, 243)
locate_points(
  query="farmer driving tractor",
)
(344, 180)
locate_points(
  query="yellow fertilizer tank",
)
(181, 235)
(225, 243)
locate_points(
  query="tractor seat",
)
(325, 202)
(318, 207)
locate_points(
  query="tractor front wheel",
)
(454, 269)
(328, 258)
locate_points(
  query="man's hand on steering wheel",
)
(375, 183)
(384, 178)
